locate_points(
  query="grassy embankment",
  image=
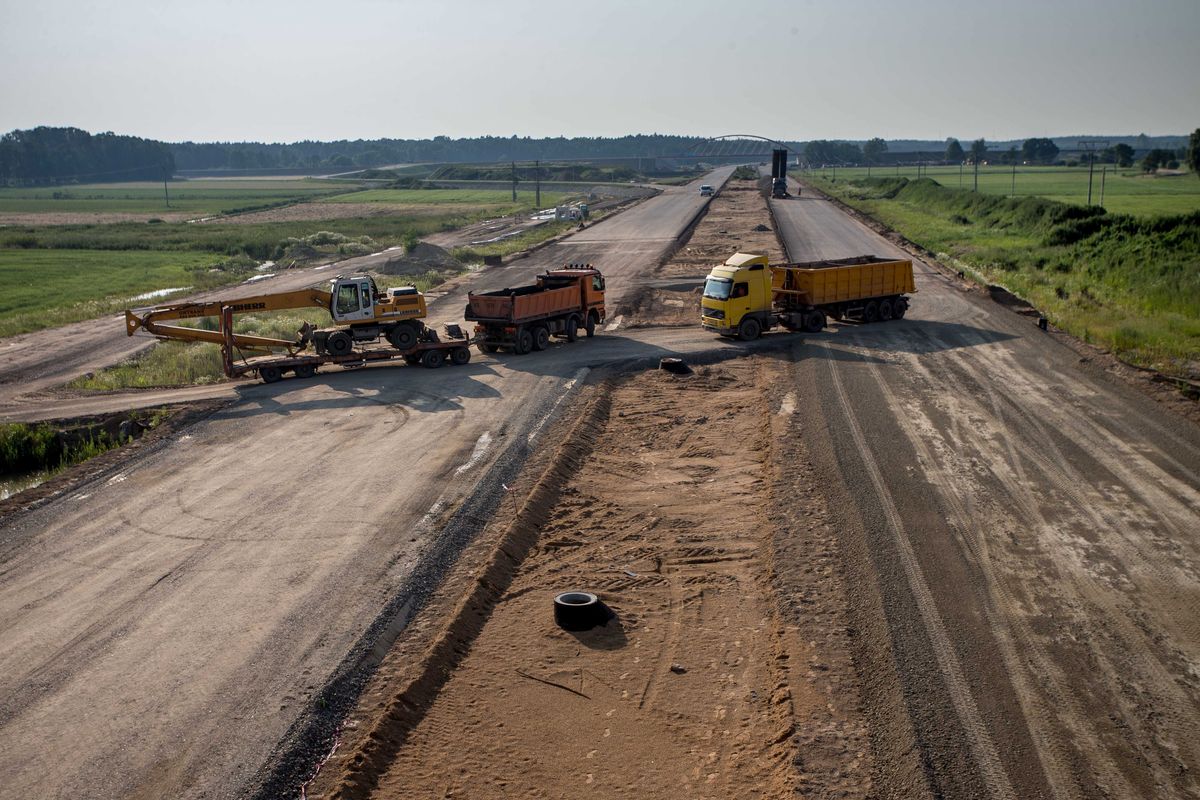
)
(1128, 283)
(1126, 191)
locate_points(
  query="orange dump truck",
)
(561, 303)
(746, 296)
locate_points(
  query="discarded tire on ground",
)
(674, 365)
(578, 611)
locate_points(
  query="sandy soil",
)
(726, 669)
(87, 218)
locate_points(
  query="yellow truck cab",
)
(745, 296)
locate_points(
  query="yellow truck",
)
(746, 295)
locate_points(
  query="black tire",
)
(749, 329)
(402, 337)
(524, 342)
(885, 310)
(572, 328)
(541, 337)
(870, 312)
(306, 370)
(899, 308)
(270, 374)
(460, 356)
(814, 322)
(579, 611)
(432, 359)
(488, 348)
(412, 359)
(339, 343)
(590, 326)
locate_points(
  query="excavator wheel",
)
(460, 356)
(402, 337)
(339, 343)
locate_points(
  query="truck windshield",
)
(717, 288)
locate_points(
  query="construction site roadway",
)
(163, 628)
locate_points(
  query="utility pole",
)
(166, 196)
(514, 181)
(537, 172)
(976, 173)
(960, 170)
(1089, 146)
(1103, 174)
(1013, 192)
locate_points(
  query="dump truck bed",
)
(523, 304)
(816, 283)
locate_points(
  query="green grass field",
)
(199, 197)
(1129, 283)
(1126, 191)
(44, 288)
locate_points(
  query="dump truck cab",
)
(736, 291)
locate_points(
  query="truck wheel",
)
(749, 330)
(814, 322)
(590, 327)
(885, 310)
(524, 342)
(339, 343)
(488, 348)
(270, 374)
(541, 338)
(870, 312)
(432, 359)
(899, 307)
(402, 337)
(306, 370)
(412, 359)
(460, 356)
(572, 328)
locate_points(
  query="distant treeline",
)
(441, 149)
(59, 155)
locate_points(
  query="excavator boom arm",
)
(151, 319)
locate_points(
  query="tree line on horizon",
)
(70, 155)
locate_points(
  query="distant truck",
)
(561, 303)
(746, 296)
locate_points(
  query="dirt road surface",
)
(167, 626)
(1032, 526)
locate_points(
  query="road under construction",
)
(950, 556)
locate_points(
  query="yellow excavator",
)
(355, 301)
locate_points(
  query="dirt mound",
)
(420, 259)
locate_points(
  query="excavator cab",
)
(353, 299)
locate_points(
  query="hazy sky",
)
(284, 70)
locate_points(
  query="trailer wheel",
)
(524, 342)
(339, 343)
(572, 328)
(460, 356)
(885, 310)
(432, 359)
(749, 330)
(306, 370)
(870, 312)
(270, 374)
(541, 337)
(899, 307)
(488, 348)
(402, 337)
(590, 326)
(412, 359)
